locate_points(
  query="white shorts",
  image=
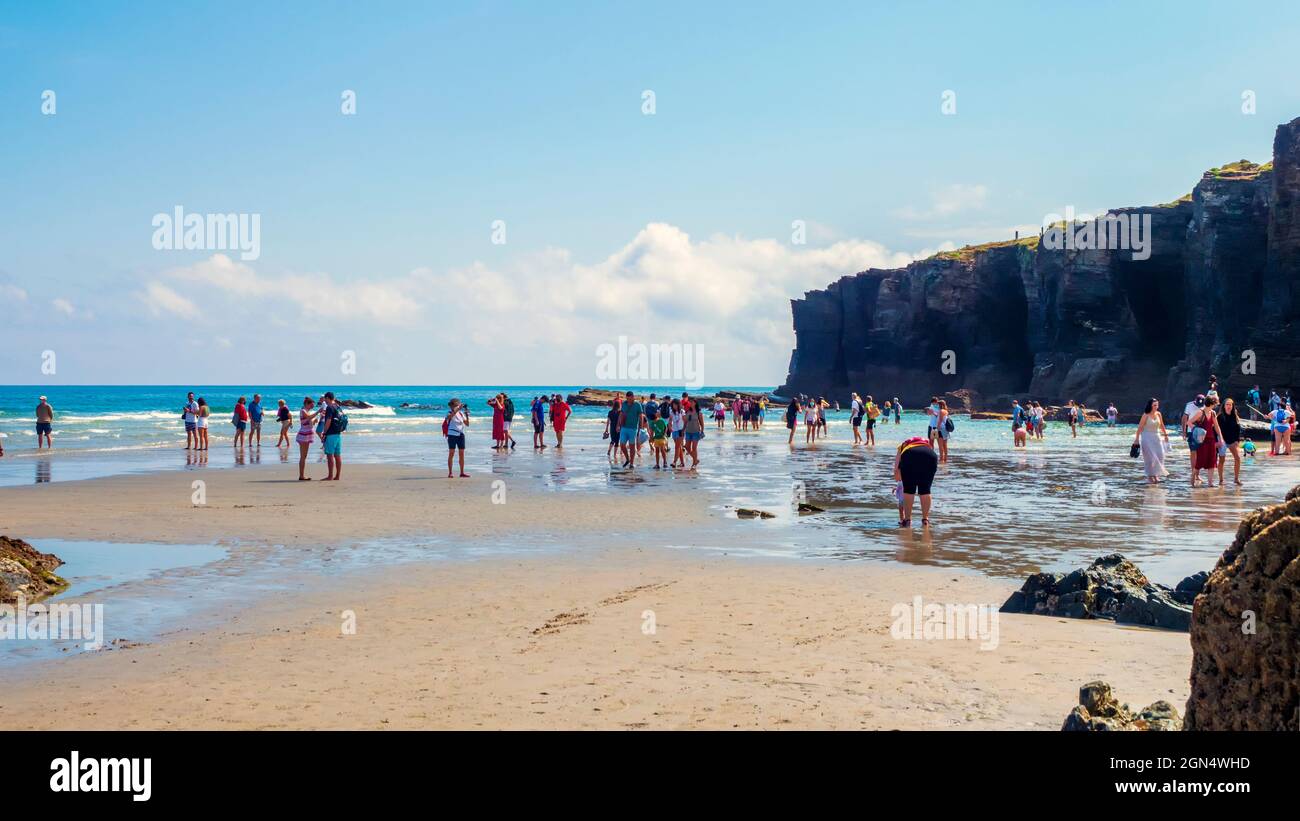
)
(506, 424)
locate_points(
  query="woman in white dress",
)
(1151, 430)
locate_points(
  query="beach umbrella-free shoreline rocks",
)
(1112, 587)
(1099, 711)
(27, 572)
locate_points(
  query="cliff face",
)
(1039, 319)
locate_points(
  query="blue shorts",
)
(455, 441)
(334, 444)
(189, 426)
(692, 437)
(627, 435)
(677, 434)
(240, 426)
(42, 428)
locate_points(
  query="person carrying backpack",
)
(336, 421)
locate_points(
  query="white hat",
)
(42, 398)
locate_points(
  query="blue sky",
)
(675, 227)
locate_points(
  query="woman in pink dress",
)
(498, 405)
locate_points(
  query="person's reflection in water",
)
(42, 471)
(915, 546)
(239, 456)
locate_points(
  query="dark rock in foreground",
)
(1098, 711)
(1112, 587)
(1246, 628)
(26, 572)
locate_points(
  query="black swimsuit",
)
(917, 465)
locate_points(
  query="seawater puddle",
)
(143, 592)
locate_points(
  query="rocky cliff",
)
(1092, 322)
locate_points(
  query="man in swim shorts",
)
(44, 422)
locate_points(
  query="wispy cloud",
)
(947, 201)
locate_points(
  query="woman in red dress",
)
(1207, 455)
(498, 406)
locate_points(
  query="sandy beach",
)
(554, 641)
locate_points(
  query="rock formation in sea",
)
(1112, 587)
(26, 572)
(1245, 628)
(1055, 323)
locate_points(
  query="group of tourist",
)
(1212, 428)
(631, 424)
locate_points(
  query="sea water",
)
(1055, 505)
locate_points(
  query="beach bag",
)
(948, 425)
(1195, 436)
(446, 425)
(873, 412)
(1134, 451)
(898, 493)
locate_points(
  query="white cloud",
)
(12, 293)
(163, 300)
(318, 296)
(951, 199)
(542, 314)
(63, 306)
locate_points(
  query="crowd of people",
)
(672, 428)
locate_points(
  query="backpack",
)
(341, 420)
(948, 425)
(873, 411)
(446, 425)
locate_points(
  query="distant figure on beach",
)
(932, 431)
(1206, 444)
(693, 432)
(201, 423)
(1112, 415)
(856, 410)
(1274, 401)
(1230, 426)
(872, 411)
(240, 420)
(659, 436)
(335, 423)
(44, 422)
(306, 435)
(810, 413)
(283, 416)
(1019, 438)
(898, 411)
(677, 429)
(453, 427)
(1040, 419)
(792, 411)
(1153, 439)
(509, 418)
(188, 415)
(822, 405)
(1280, 421)
(719, 413)
(944, 430)
(560, 412)
(255, 420)
(915, 465)
(539, 422)
(612, 428)
(1252, 397)
(1072, 415)
(631, 421)
(1190, 410)
(498, 406)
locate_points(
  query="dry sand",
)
(548, 641)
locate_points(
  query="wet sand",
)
(548, 641)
